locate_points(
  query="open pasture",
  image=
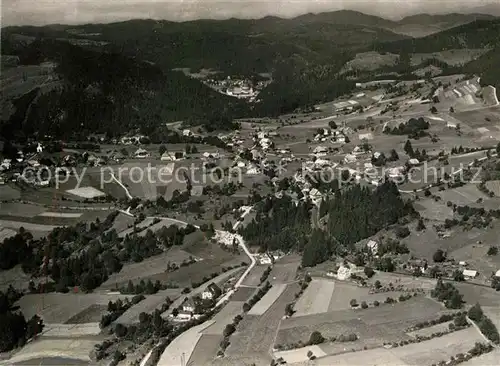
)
(465, 195)
(432, 210)
(416, 354)
(38, 230)
(59, 308)
(122, 222)
(64, 350)
(373, 325)
(186, 276)
(490, 95)
(474, 252)
(149, 267)
(485, 296)
(408, 282)
(371, 61)
(72, 330)
(148, 305)
(460, 243)
(267, 300)
(284, 270)
(452, 57)
(344, 292)
(485, 117)
(494, 186)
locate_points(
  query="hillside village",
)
(356, 226)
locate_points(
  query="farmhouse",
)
(320, 151)
(372, 246)
(252, 170)
(469, 274)
(265, 143)
(396, 172)
(208, 155)
(188, 305)
(212, 292)
(413, 162)
(129, 140)
(168, 156)
(141, 153)
(315, 196)
(264, 258)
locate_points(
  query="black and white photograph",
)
(250, 183)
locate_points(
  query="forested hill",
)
(447, 20)
(231, 45)
(352, 214)
(488, 67)
(477, 34)
(108, 92)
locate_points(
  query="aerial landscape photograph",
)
(250, 183)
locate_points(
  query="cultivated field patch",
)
(86, 192)
(91, 314)
(66, 215)
(224, 317)
(432, 210)
(268, 300)
(255, 334)
(205, 350)
(71, 330)
(45, 347)
(316, 298)
(243, 293)
(182, 346)
(253, 278)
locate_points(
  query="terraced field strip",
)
(67, 215)
(268, 300)
(183, 346)
(45, 347)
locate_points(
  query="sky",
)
(39, 12)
